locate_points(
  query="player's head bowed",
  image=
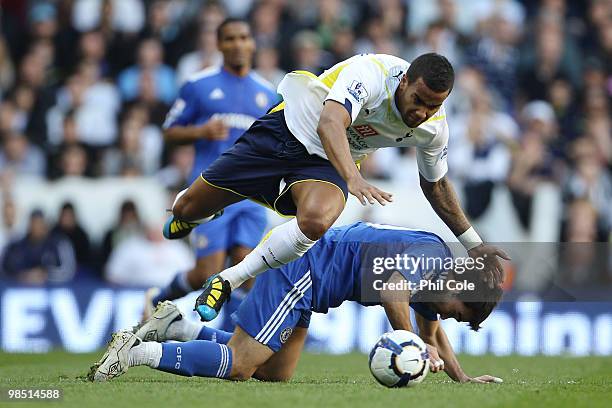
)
(423, 88)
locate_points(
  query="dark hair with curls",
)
(436, 71)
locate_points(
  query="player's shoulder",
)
(262, 82)
(203, 75)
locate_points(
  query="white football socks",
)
(183, 330)
(146, 353)
(280, 246)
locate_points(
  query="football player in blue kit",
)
(272, 322)
(215, 106)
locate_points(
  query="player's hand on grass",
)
(485, 379)
(435, 362)
(367, 193)
(215, 129)
(493, 269)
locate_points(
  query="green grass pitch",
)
(321, 380)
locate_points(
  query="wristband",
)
(470, 239)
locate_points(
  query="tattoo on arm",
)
(443, 199)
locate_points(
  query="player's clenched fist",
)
(435, 362)
(215, 129)
(365, 192)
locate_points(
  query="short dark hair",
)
(481, 301)
(228, 21)
(436, 71)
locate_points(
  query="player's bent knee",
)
(313, 228)
(241, 372)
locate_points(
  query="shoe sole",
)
(113, 344)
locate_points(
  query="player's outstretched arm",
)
(332, 131)
(443, 199)
(432, 333)
(397, 308)
(212, 130)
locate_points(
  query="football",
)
(399, 359)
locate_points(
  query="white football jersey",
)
(365, 84)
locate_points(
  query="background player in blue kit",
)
(213, 109)
(272, 321)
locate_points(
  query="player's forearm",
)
(445, 351)
(335, 144)
(398, 314)
(443, 199)
(182, 134)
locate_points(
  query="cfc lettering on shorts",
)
(179, 358)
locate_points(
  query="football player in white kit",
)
(300, 160)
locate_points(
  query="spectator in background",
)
(479, 153)
(204, 56)
(95, 103)
(266, 63)
(73, 161)
(161, 25)
(496, 55)
(343, 43)
(176, 175)
(563, 99)
(266, 24)
(582, 262)
(7, 69)
(68, 226)
(150, 61)
(331, 14)
(532, 165)
(92, 50)
(32, 75)
(128, 225)
(140, 147)
(597, 122)
(308, 55)
(151, 110)
(39, 257)
(147, 259)
(589, 181)
(20, 158)
(124, 15)
(8, 232)
(70, 137)
(550, 55)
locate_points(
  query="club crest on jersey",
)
(365, 130)
(261, 99)
(357, 91)
(285, 334)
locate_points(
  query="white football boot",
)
(156, 327)
(149, 307)
(114, 362)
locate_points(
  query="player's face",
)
(417, 102)
(237, 45)
(455, 309)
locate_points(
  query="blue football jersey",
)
(215, 93)
(340, 260)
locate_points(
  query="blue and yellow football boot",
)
(177, 229)
(216, 292)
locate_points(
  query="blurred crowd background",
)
(86, 84)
